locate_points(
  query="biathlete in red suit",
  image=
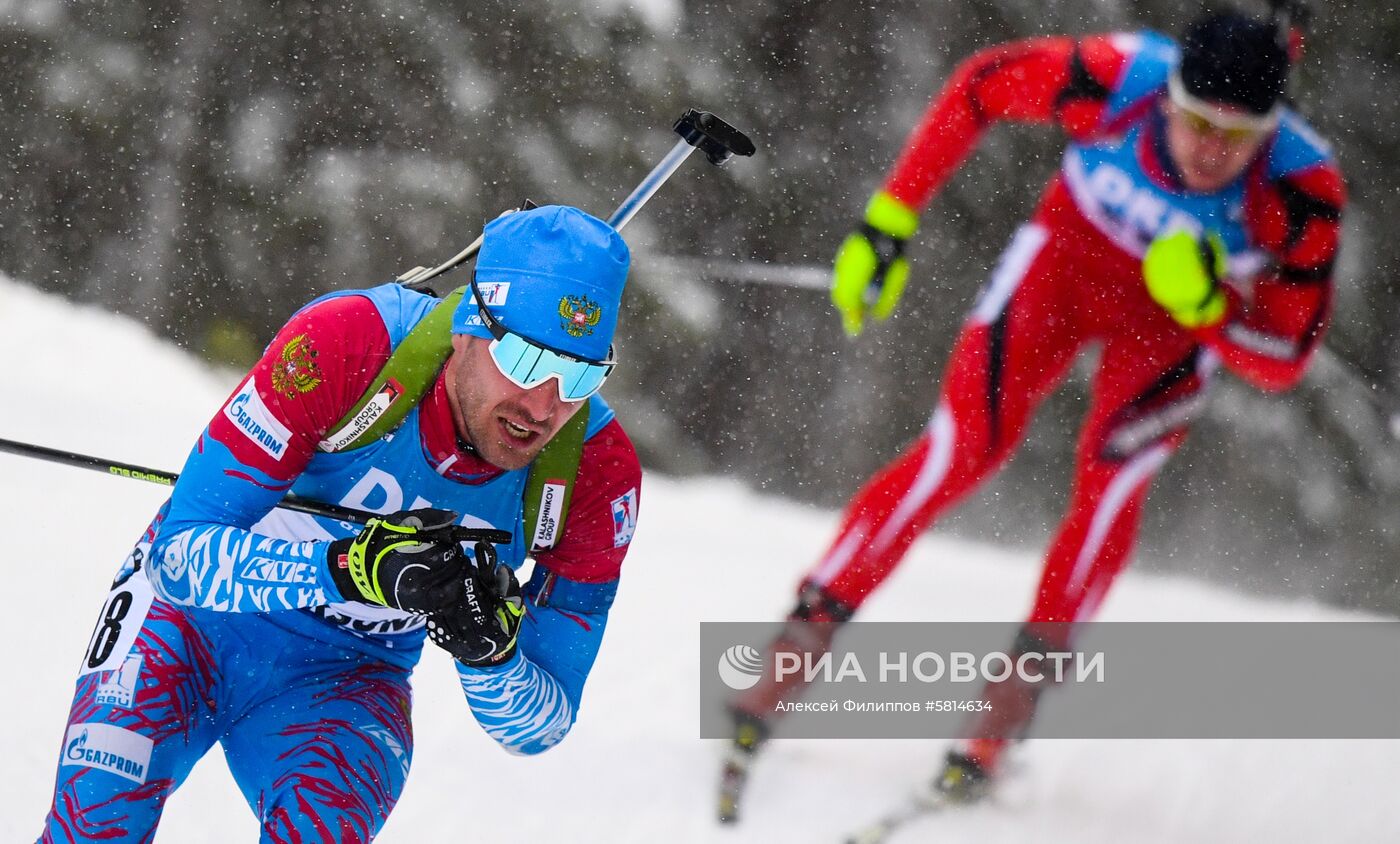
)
(1194, 221)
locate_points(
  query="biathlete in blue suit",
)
(289, 638)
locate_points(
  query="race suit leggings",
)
(1040, 308)
(317, 736)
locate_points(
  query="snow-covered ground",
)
(633, 769)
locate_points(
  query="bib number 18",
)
(120, 621)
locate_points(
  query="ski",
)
(914, 807)
(749, 734)
(962, 782)
(734, 775)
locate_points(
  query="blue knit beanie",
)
(553, 275)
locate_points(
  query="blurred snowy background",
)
(207, 166)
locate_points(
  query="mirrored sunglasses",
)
(527, 363)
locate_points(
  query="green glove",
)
(870, 268)
(1183, 275)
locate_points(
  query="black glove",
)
(410, 560)
(482, 628)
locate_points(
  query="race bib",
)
(123, 614)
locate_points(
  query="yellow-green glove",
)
(1183, 275)
(870, 268)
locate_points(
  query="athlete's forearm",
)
(1270, 339)
(204, 556)
(529, 704)
(1030, 81)
(260, 441)
(518, 704)
(1270, 342)
(232, 570)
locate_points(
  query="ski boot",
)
(968, 770)
(963, 780)
(809, 629)
(749, 735)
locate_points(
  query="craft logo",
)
(547, 525)
(624, 510)
(579, 315)
(741, 667)
(248, 413)
(376, 407)
(108, 748)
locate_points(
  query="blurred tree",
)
(208, 166)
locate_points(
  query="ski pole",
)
(1382, 400)
(157, 476)
(698, 130)
(1294, 21)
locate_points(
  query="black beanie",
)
(1234, 59)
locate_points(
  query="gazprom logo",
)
(741, 667)
(103, 746)
(248, 413)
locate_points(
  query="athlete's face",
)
(506, 423)
(1207, 156)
